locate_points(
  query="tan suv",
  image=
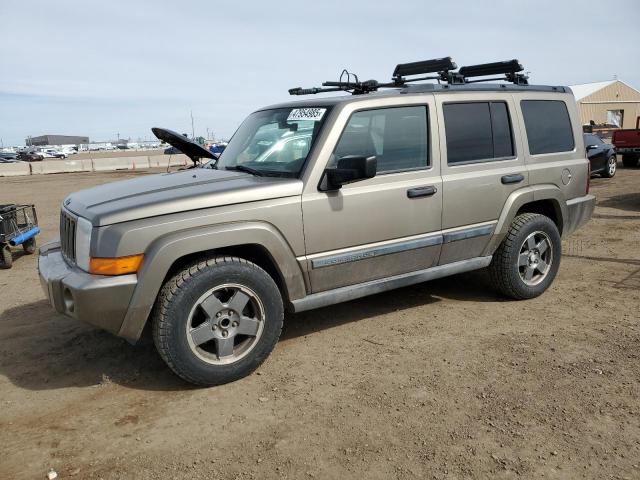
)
(326, 200)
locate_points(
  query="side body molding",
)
(517, 200)
(165, 250)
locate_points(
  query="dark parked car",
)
(602, 155)
(8, 156)
(30, 157)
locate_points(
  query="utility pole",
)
(193, 134)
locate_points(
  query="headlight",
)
(83, 243)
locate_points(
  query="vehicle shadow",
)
(43, 350)
(627, 201)
(470, 287)
(16, 254)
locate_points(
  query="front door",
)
(386, 225)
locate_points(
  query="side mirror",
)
(349, 169)
(591, 147)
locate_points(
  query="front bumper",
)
(99, 300)
(579, 211)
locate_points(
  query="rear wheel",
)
(217, 320)
(611, 167)
(29, 246)
(6, 260)
(527, 260)
(629, 161)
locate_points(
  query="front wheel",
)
(527, 260)
(217, 320)
(611, 167)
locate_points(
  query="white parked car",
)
(53, 153)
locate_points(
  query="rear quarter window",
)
(548, 126)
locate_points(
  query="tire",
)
(506, 273)
(611, 167)
(196, 308)
(29, 246)
(629, 161)
(6, 259)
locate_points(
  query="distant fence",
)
(69, 165)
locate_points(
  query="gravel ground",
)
(439, 380)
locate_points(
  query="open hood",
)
(190, 148)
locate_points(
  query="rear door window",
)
(477, 132)
(548, 126)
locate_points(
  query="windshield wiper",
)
(244, 168)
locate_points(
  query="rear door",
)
(481, 167)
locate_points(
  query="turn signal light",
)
(115, 266)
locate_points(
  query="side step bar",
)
(351, 292)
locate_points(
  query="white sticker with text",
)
(314, 114)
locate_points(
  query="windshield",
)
(273, 142)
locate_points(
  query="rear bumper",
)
(625, 150)
(579, 211)
(99, 300)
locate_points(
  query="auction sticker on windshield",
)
(314, 114)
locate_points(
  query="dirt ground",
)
(439, 380)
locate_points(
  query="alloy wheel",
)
(225, 324)
(535, 258)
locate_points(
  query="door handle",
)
(514, 178)
(421, 191)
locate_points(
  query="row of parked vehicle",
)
(35, 155)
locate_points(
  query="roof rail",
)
(444, 68)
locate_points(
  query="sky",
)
(118, 68)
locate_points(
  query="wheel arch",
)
(547, 200)
(257, 242)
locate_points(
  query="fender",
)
(517, 200)
(165, 250)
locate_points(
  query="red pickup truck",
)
(627, 143)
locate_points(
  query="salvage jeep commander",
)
(319, 202)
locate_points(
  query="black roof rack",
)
(509, 68)
(444, 68)
(437, 65)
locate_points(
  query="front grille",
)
(68, 236)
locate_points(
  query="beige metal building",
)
(612, 103)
